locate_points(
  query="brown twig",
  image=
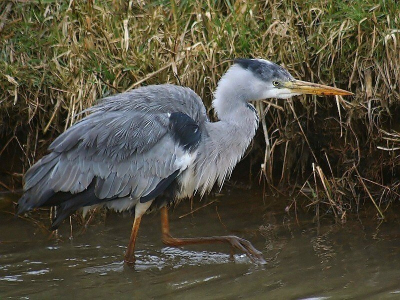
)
(4, 15)
(196, 209)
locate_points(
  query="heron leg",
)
(140, 209)
(236, 242)
(130, 251)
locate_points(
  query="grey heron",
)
(149, 147)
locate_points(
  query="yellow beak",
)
(304, 87)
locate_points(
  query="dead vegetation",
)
(58, 57)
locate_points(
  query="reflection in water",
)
(304, 261)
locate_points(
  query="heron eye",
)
(275, 83)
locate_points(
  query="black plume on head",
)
(265, 70)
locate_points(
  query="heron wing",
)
(126, 147)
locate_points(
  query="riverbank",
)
(59, 57)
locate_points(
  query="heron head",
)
(273, 81)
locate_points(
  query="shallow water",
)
(305, 261)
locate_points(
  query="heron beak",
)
(304, 87)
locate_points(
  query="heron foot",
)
(236, 242)
(129, 261)
(246, 247)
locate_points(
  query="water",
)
(357, 260)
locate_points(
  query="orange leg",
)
(234, 241)
(130, 251)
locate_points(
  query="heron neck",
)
(235, 129)
(229, 100)
(224, 144)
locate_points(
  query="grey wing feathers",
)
(124, 143)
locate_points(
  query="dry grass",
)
(58, 57)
